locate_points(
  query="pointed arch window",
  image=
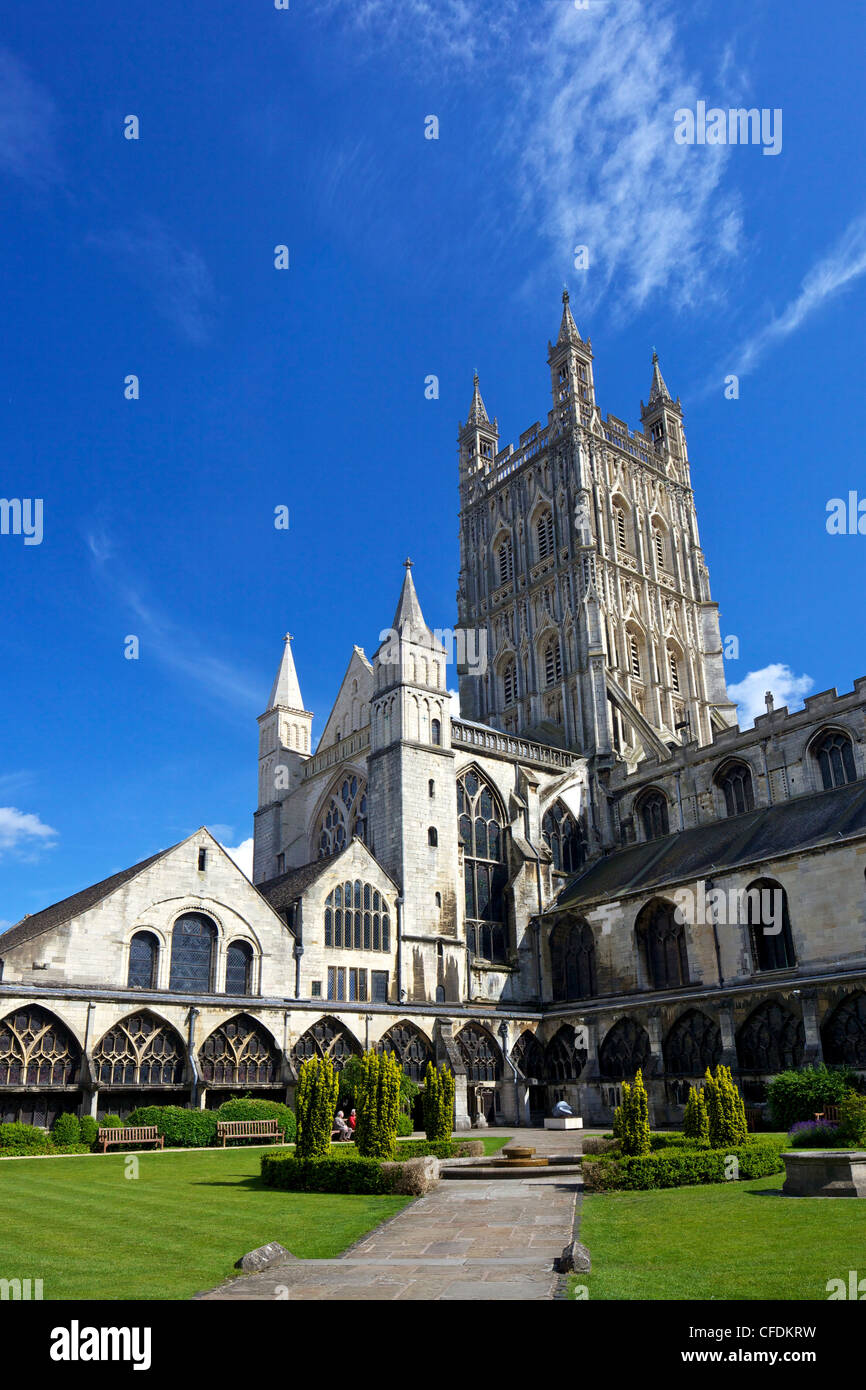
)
(239, 1053)
(660, 547)
(572, 961)
(436, 732)
(771, 1040)
(634, 655)
(143, 957)
(505, 562)
(674, 668)
(139, 1051)
(345, 817)
(193, 940)
(844, 1034)
(327, 1038)
(662, 940)
(693, 1044)
(835, 757)
(37, 1050)
(769, 925)
(562, 1060)
(735, 783)
(621, 528)
(625, 1048)
(509, 683)
(544, 535)
(564, 837)
(653, 811)
(410, 1047)
(357, 918)
(481, 1056)
(480, 828)
(552, 662)
(527, 1055)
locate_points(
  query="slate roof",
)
(67, 908)
(286, 888)
(706, 850)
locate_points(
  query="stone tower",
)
(580, 557)
(410, 794)
(284, 746)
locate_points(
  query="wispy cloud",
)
(23, 831)
(830, 276)
(28, 125)
(787, 689)
(581, 123)
(168, 642)
(176, 276)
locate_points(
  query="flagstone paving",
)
(475, 1240)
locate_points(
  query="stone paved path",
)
(465, 1240)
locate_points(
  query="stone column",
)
(729, 1039)
(809, 1003)
(461, 1103)
(655, 1085)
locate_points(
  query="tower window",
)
(506, 562)
(674, 670)
(433, 836)
(835, 757)
(660, 549)
(544, 535)
(439, 904)
(552, 663)
(654, 814)
(735, 781)
(621, 532)
(509, 683)
(431, 787)
(435, 732)
(202, 859)
(634, 655)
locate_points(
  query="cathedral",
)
(590, 869)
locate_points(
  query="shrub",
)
(726, 1112)
(438, 1102)
(378, 1105)
(111, 1122)
(89, 1130)
(801, 1095)
(852, 1120)
(182, 1129)
(696, 1121)
(404, 1125)
(681, 1167)
(315, 1103)
(814, 1134)
(291, 1174)
(248, 1108)
(67, 1130)
(19, 1138)
(632, 1127)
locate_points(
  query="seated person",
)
(353, 1120)
(341, 1131)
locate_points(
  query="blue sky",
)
(305, 387)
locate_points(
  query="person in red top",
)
(352, 1120)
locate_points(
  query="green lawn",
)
(89, 1232)
(739, 1240)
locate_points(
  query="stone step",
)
(558, 1169)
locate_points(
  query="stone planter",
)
(825, 1173)
(563, 1122)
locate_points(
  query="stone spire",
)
(658, 390)
(568, 330)
(477, 412)
(286, 691)
(408, 608)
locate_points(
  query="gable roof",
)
(67, 908)
(704, 850)
(282, 891)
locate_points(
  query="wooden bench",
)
(830, 1113)
(754, 1117)
(130, 1134)
(249, 1129)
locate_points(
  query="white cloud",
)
(28, 121)
(787, 689)
(581, 125)
(838, 269)
(22, 830)
(242, 854)
(455, 703)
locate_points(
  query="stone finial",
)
(768, 701)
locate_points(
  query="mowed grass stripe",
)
(733, 1240)
(90, 1232)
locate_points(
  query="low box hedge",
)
(290, 1174)
(681, 1167)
